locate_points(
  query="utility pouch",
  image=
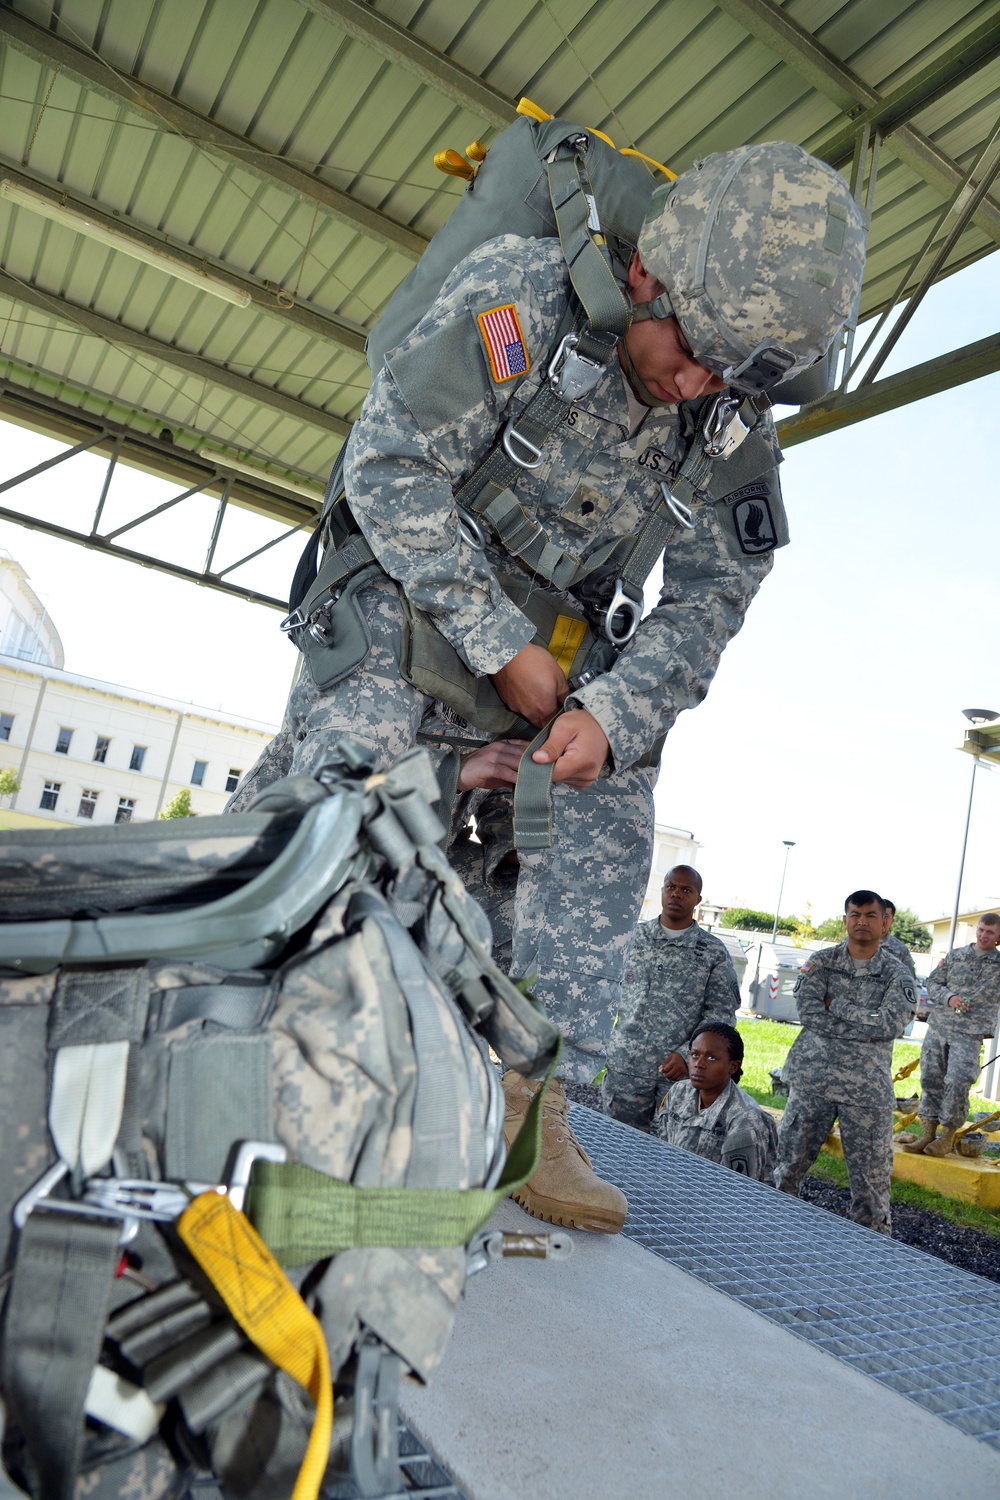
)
(337, 639)
(431, 664)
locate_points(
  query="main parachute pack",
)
(249, 1131)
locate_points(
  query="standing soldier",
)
(853, 1001)
(679, 979)
(748, 265)
(964, 992)
(894, 945)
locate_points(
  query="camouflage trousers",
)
(949, 1066)
(866, 1136)
(574, 906)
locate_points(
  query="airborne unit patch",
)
(504, 341)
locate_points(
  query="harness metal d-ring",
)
(511, 437)
(677, 508)
(621, 604)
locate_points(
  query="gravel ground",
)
(965, 1248)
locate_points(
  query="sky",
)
(836, 712)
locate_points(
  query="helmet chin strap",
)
(641, 311)
(642, 392)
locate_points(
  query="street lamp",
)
(975, 745)
(789, 844)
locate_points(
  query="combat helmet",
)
(761, 251)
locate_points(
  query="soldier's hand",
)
(533, 684)
(578, 746)
(492, 766)
(674, 1067)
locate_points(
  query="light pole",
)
(975, 745)
(789, 844)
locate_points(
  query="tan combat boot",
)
(564, 1188)
(929, 1131)
(944, 1142)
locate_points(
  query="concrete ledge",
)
(614, 1375)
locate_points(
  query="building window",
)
(101, 749)
(88, 801)
(62, 741)
(126, 807)
(233, 779)
(138, 756)
(50, 796)
(198, 773)
(6, 725)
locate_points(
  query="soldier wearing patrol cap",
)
(748, 266)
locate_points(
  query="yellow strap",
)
(533, 111)
(567, 634)
(649, 160)
(454, 165)
(269, 1310)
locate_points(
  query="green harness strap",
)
(303, 1215)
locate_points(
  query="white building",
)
(86, 751)
(26, 632)
(671, 846)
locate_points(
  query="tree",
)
(908, 929)
(179, 806)
(9, 783)
(832, 930)
(745, 919)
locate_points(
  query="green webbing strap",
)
(339, 565)
(608, 310)
(303, 1215)
(57, 1309)
(533, 797)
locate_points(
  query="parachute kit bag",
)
(250, 1132)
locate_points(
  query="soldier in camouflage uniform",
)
(853, 1001)
(708, 1113)
(964, 992)
(749, 262)
(678, 980)
(894, 945)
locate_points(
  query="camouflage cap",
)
(761, 251)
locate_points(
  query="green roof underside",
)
(288, 144)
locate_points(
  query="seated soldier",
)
(708, 1114)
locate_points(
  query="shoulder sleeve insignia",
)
(805, 966)
(504, 341)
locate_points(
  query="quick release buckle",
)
(133, 1198)
(724, 429)
(630, 609)
(571, 375)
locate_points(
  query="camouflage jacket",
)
(733, 1131)
(898, 949)
(976, 977)
(680, 980)
(868, 1009)
(433, 413)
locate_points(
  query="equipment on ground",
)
(250, 1133)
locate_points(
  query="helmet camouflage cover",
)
(761, 251)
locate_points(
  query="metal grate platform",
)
(908, 1320)
(423, 1475)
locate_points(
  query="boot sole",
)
(553, 1212)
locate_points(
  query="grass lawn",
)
(767, 1044)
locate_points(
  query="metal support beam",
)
(399, 46)
(959, 62)
(191, 364)
(152, 454)
(775, 28)
(204, 134)
(160, 565)
(325, 326)
(941, 374)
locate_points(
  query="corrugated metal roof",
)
(288, 144)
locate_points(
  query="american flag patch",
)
(504, 342)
